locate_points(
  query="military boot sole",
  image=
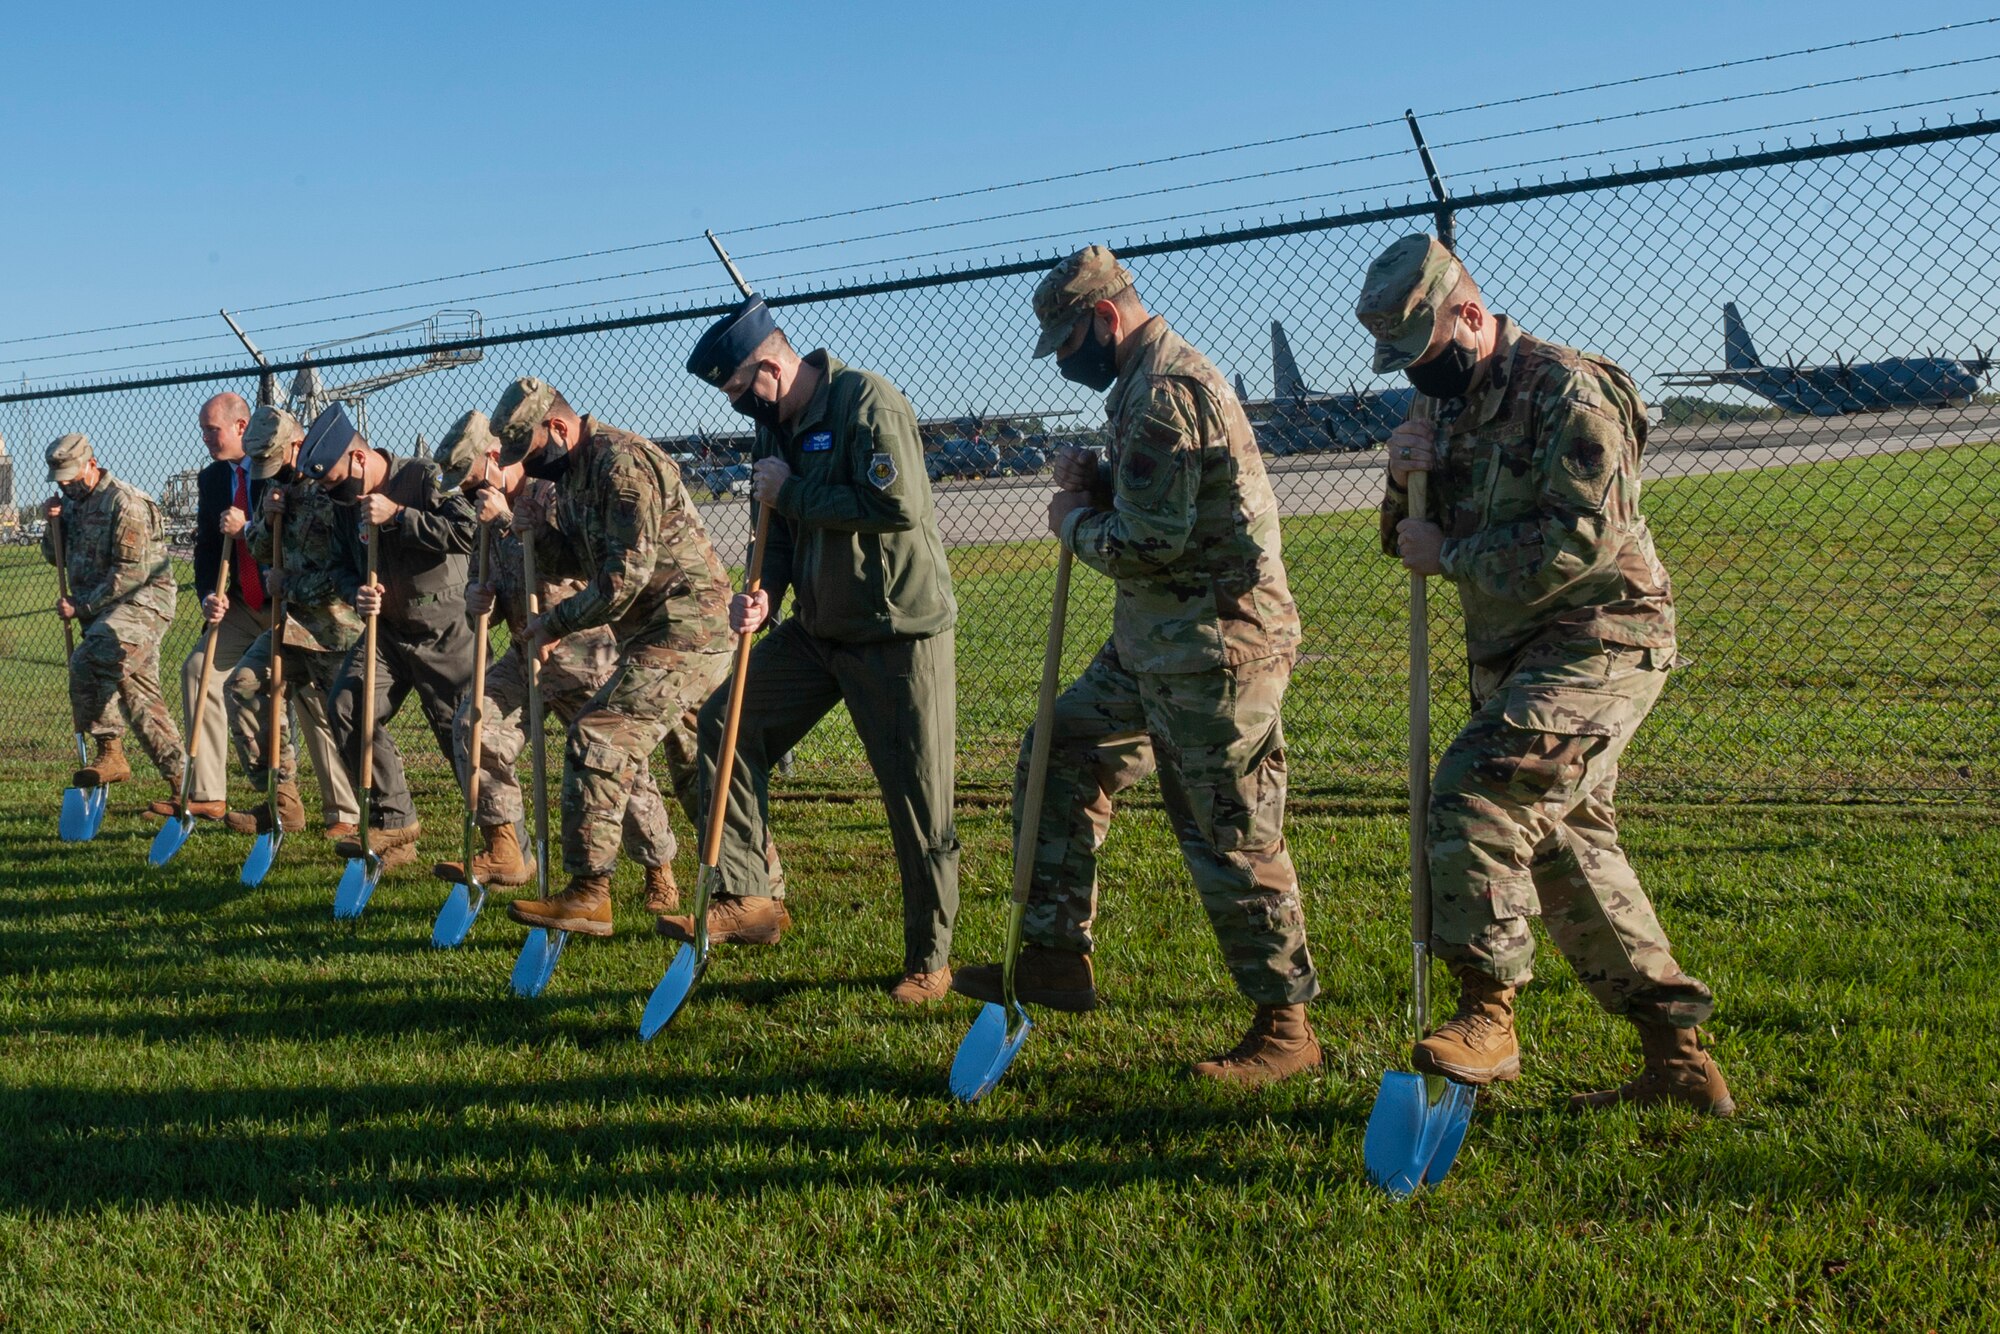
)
(983, 982)
(581, 926)
(1505, 1072)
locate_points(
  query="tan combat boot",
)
(733, 921)
(1677, 1070)
(1280, 1044)
(662, 894)
(1059, 979)
(584, 907)
(500, 862)
(919, 988)
(379, 841)
(169, 807)
(108, 767)
(1476, 1045)
(257, 820)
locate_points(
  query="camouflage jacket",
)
(855, 534)
(319, 585)
(422, 561)
(585, 656)
(1189, 527)
(627, 528)
(1537, 490)
(115, 549)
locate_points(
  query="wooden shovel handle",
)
(725, 763)
(1045, 726)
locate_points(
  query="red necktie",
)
(249, 580)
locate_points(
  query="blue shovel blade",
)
(985, 1052)
(74, 826)
(1453, 1115)
(357, 886)
(96, 803)
(263, 851)
(455, 919)
(672, 993)
(173, 836)
(537, 962)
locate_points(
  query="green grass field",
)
(224, 1110)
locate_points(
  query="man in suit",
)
(225, 494)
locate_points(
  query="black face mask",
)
(550, 464)
(285, 475)
(1094, 365)
(751, 404)
(1446, 375)
(344, 492)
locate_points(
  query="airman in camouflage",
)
(1533, 454)
(321, 628)
(121, 587)
(623, 524)
(577, 667)
(1204, 631)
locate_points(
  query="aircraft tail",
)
(1738, 352)
(1242, 395)
(1286, 382)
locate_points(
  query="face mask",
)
(1093, 365)
(76, 490)
(751, 404)
(550, 463)
(344, 492)
(285, 475)
(1448, 374)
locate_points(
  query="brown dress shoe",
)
(501, 863)
(1059, 979)
(110, 766)
(662, 894)
(340, 829)
(922, 988)
(733, 921)
(257, 820)
(1677, 1070)
(584, 908)
(1280, 1044)
(200, 810)
(1476, 1045)
(379, 840)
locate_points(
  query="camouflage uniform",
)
(321, 629)
(578, 666)
(1569, 621)
(115, 549)
(626, 527)
(1204, 631)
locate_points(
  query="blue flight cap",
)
(331, 435)
(729, 341)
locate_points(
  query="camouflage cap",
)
(464, 448)
(1400, 297)
(67, 456)
(523, 406)
(1068, 291)
(270, 433)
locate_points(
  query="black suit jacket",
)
(215, 488)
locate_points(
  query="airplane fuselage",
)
(1874, 386)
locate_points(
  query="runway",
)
(1013, 509)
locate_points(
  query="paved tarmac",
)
(1013, 509)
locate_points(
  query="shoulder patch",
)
(819, 442)
(881, 471)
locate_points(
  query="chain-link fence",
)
(1835, 568)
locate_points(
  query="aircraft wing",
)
(1716, 377)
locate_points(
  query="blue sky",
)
(165, 161)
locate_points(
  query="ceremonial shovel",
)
(989, 1047)
(467, 897)
(82, 810)
(173, 835)
(691, 961)
(543, 948)
(363, 873)
(264, 850)
(1419, 1121)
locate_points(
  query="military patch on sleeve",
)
(881, 471)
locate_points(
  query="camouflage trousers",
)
(309, 674)
(1521, 825)
(650, 698)
(648, 838)
(1217, 741)
(114, 681)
